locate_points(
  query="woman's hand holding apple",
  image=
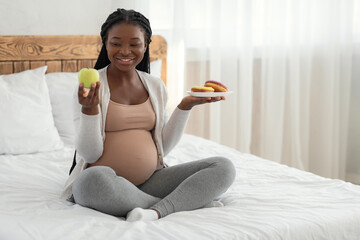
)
(88, 92)
(90, 101)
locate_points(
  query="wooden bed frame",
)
(67, 53)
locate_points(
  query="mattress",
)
(267, 201)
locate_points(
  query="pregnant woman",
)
(123, 133)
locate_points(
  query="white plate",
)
(209, 94)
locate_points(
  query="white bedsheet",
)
(267, 201)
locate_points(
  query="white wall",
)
(53, 17)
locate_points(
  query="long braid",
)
(130, 17)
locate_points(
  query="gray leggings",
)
(182, 187)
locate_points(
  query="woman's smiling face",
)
(125, 46)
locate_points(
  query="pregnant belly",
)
(131, 153)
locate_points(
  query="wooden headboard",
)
(67, 53)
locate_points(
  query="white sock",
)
(139, 214)
(214, 204)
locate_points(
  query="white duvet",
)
(267, 201)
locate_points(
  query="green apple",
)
(88, 76)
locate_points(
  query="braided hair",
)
(130, 17)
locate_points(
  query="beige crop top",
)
(128, 147)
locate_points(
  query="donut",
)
(217, 86)
(202, 89)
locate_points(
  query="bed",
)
(267, 200)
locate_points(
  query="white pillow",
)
(27, 124)
(62, 86)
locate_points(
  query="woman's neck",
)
(114, 73)
(126, 87)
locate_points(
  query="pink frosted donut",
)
(217, 86)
